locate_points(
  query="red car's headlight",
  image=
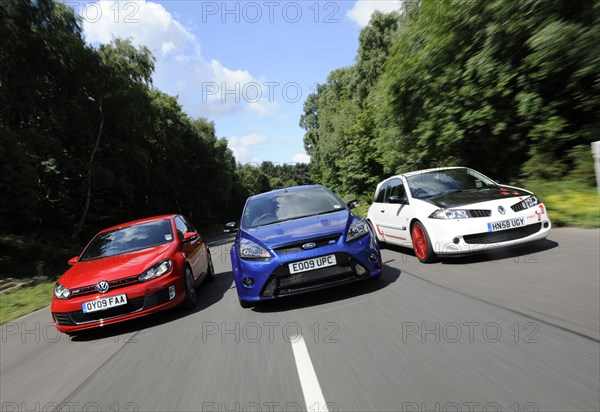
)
(157, 270)
(61, 292)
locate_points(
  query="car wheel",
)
(211, 269)
(246, 304)
(191, 296)
(422, 244)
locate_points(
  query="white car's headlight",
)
(61, 292)
(357, 229)
(157, 270)
(250, 250)
(531, 202)
(450, 214)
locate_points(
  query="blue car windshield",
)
(129, 239)
(437, 183)
(283, 206)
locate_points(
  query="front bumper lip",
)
(261, 271)
(443, 233)
(69, 310)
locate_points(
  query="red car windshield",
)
(129, 239)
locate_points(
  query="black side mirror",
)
(352, 204)
(397, 200)
(230, 227)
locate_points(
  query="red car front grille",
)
(113, 284)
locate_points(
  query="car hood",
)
(302, 229)
(113, 267)
(476, 196)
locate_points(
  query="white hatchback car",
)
(454, 211)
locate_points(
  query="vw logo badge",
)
(308, 246)
(102, 287)
(501, 210)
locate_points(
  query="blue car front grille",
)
(281, 282)
(295, 247)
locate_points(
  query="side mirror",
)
(73, 260)
(189, 236)
(230, 227)
(352, 204)
(397, 200)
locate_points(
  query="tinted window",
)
(129, 239)
(281, 206)
(441, 182)
(181, 227)
(379, 198)
(395, 188)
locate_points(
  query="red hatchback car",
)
(131, 270)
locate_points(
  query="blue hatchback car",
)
(300, 239)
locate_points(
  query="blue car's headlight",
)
(450, 214)
(157, 270)
(250, 250)
(357, 229)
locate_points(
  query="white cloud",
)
(301, 157)
(205, 87)
(240, 146)
(363, 9)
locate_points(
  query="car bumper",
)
(355, 261)
(142, 299)
(466, 236)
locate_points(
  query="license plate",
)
(312, 264)
(105, 303)
(506, 224)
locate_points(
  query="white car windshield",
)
(283, 206)
(437, 183)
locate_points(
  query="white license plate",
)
(506, 224)
(104, 303)
(312, 264)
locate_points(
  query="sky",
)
(248, 66)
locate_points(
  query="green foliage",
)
(509, 88)
(569, 202)
(87, 142)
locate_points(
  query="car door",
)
(194, 248)
(394, 216)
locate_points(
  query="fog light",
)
(372, 257)
(248, 282)
(456, 240)
(546, 224)
(359, 270)
(172, 292)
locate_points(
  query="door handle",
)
(382, 211)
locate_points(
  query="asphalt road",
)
(509, 331)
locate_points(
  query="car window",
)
(380, 195)
(281, 206)
(129, 239)
(182, 228)
(395, 188)
(440, 182)
(188, 224)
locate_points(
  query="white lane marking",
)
(313, 396)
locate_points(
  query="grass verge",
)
(23, 301)
(568, 203)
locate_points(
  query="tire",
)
(191, 296)
(211, 270)
(246, 304)
(422, 244)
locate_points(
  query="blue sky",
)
(246, 65)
